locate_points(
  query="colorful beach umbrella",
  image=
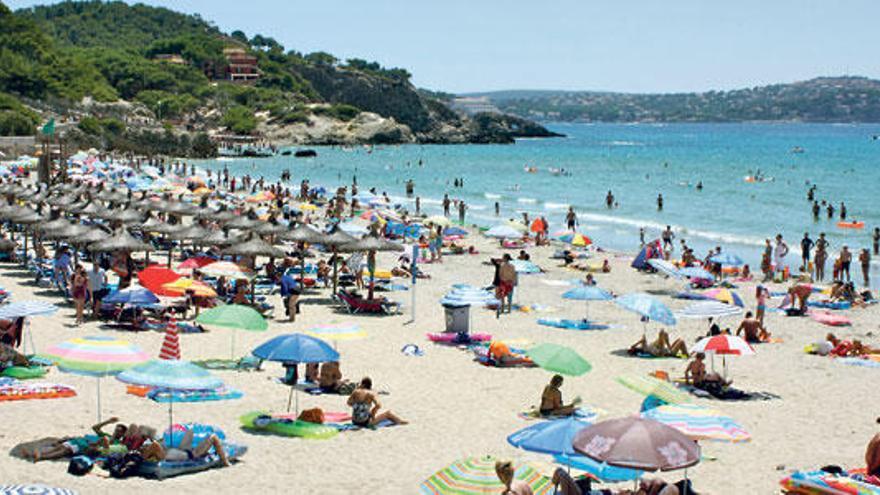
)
(96, 356)
(653, 387)
(185, 284)
(725, 344)
(195, 263)
(575, 239)
(559, 359)
(647, 306)
(699, 423)
(665, 267)
(476, 475)
(726, 296)
(171, 344)
(34, 489)
(638, 443)
(337, 331)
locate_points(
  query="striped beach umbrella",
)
(726, 296)
(20, 309)
(476, 475)
(699, 423)
(35, 489)
(185, 284)
(730, 345)
(708, 309)
(337, 331)
(171, 345)
(96, 356)
(665, 267)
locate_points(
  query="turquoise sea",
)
(636, 162)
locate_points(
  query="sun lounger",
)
(357, 305)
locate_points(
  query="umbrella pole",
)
(170, 249)
(98, 387)
(335, 262)
(290, 397)
(171, 414)
(232, 349)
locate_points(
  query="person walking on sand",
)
(761, 296)
(821, 256)
(865, 261)
(506, 281)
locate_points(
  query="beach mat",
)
(344, 427)
(568, 324)
(644, 355)
(13, 390)
(728, 394)
(584, 412)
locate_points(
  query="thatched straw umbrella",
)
(191, 233)
(254, 247)
(333, 240)
(371, 245)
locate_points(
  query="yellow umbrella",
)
(307, 207)
(184, 284)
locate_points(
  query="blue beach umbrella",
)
(726, 259)
(665, 267)
(296, 348)
(549, 437)
(20, 309)
(587, 293)
(695, 272)
(647, 306)
(170, 375)
(133, 296)
(601, 470)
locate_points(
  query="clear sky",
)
(619, 45)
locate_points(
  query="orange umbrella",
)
(154, 277)
(180, 287)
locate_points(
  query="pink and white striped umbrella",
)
(724, 344)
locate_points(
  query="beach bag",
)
(80, 465)
(314, 415)
(124, 466)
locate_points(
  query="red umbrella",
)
(155, 276)
(194, 263)
(637, 443)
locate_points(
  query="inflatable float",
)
(169, 469)
(24, 373)
(284, 426)
(822, 483)
(851, 225)
(194, 395)
(571, 324)
(829, 318)
(25, 391)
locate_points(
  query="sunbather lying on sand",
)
(844, 348)
(661, 347)
(157, 451)
(70, 446)
(551, 400)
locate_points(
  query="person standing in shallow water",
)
(876, 239)
(659, 202)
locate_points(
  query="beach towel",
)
(727, 393)
(821, 483)
(344, 427)
(584, 412)
(855, 361)
(569, 324)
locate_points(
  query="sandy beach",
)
(824, 414)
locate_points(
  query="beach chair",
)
(358, 305)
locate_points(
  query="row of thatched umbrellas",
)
(135, 212)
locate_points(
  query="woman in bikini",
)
(661, 347)
(157, 451)
(79, 292)
(365, 407)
